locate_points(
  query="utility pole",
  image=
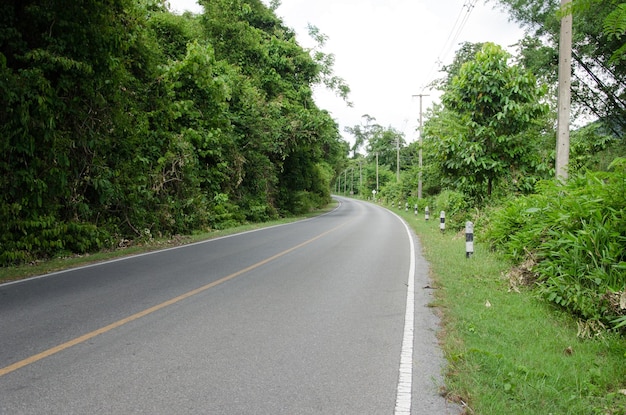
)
(564, 101)
(352, 183)
(360, 176)
(377, 172)
(419, 182)
(398, 159)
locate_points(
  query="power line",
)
(459, 24)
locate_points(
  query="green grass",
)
(137, 247)
(510, 352)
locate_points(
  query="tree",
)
(283, 136)
(326, 62)
(361, 133)
(385, 143)
(614, 28)
(119, 119)
(465, 53)
(488, 127)
(597, 84)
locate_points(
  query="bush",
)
(455, 205)
(576, 233)
(45, 236)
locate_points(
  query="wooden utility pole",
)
(352, 183)
(565, 69)
(398, 159)
(377, 172)
(419, 182)
(360, 176)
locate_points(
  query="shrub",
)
(577, 233)
(45, 236)
(455, 205)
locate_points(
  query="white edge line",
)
(110, 261)
(405, 377)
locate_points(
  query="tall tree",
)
(597, 84)
(385, 142)
(119, 119)
(361, 133)
(489, 123)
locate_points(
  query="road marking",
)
(61, 347)
(405, 377)
(158, 251)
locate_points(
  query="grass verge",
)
(137, 247)
(509, 352)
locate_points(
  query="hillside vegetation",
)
(120, 120)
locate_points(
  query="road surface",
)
(324, 316)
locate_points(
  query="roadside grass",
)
(510, 352)
(138, 247)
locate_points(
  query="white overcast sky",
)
(388, 50)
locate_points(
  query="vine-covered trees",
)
(119, 119)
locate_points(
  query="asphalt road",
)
(304, 318)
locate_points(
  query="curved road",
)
(323, 316)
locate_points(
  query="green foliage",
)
(597, 52)
(466, 53)
(120, 118)
(615, 27)
(593, 147)
(455, 205)
(615, 22)
(29, 240)
(325, 62)
(489, 127)
(576, 234)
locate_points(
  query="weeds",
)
(577, 234)
(508, 350)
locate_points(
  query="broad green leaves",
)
(574, 235)
(615, 27)
(598, 52)
(486, 130)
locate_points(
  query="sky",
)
(387, 51)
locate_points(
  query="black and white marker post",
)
(415, 210)
(442, 221)
(469, 239)
(426, 213)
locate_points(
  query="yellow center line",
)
(47, 353)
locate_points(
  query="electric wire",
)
(459, 24)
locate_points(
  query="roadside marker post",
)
(426, 213)
(442, 221)
(415, 209)
(469, 239)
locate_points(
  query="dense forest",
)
(120, 119)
